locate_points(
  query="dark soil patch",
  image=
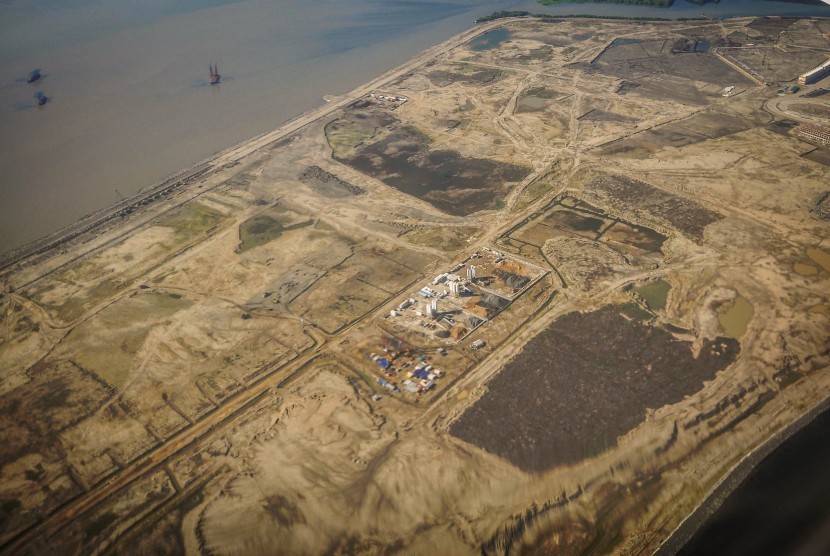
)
(673, 135)
(771, 26)
(695, 66)
(715, 124)
(573, 222)
(327, 184)
(822, 156)
(8, 508)
(452, 183)
(639, 237)
(442, 78)
(97, 527)
(816, 93)
(262, 229)
(541, 53)
(626, 87)
(583, 382)
(821, 205)
(58, 395)
(782, 127)
(640, 198)
(597, 115)
(285, 512)
(492, 303)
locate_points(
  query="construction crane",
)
(215, 78)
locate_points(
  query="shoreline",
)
(733, 479)
(107, 280)
(235, 152)
(229, 155)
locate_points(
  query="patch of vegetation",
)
(548, 18)
(263, 229)
(356, 128)
(447, 238)
(453, 183)
(635, 312)
(583, 382)
(502, 14)
(541, 92)
(531, 194)
(191, 220)
(97, 527)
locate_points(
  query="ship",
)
(215, 78)
(34, 75)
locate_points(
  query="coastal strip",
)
(231, 155)
(733, 478)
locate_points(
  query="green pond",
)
(654, 293)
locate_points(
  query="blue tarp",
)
(420, 373)
(384, 363)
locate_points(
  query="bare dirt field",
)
(536, 291)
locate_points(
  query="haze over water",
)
(129, 98)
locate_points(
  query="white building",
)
(816, 74)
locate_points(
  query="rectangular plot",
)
(583, 382)
(636, 237)
(59, 395)
(640, 198)
(715, 124)
(536, 234)
(338, 299)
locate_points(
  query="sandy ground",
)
(197, 376)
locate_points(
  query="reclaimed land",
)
(583, 382)
(246, 358)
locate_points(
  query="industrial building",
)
(816, 74)
(814, 133)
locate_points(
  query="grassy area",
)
(531, 194)
(262, 229)
(191, 220)
(107, 343)
(635, 312)
(350, 132)
(445, 237)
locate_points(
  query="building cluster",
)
(387, 100)
(816, 74)
(420, 375)
(814, 133)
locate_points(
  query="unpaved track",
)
(226, 413)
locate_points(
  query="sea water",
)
(130, 101)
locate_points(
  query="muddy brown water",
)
(805, 269)
(821, 258)
(735, 319)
